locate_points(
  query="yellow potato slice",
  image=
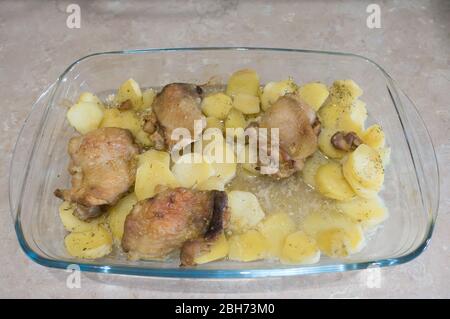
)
(311, 166)
(72, 223)
(244, 81)
(347, 118)
(248, 246)
(147, 98)
(275, 228)
(344, 92)
(129, 90)
(152, 178)
(246, 212)
(118, 213)
(217, 105)
(192, 169)
(154, 156)
(212, 122)
(274, 90)
(325, 145)
(92, 244)
(331, 183)
(90, 98)
(299, 249)
(247, 104)
(235, 119)
(385, 155)
(212, 183)
(374, 137)
(85, 116)
(363, 168)
(336, 234)
(218, 250)
(367, 212)
(314, 94)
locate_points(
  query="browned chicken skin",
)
(161, 225)
(176, 106)
(102, 168)
(298, 130)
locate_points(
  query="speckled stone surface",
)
(413, 45)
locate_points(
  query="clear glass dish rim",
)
(217, 273)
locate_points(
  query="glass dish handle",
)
(23, 149)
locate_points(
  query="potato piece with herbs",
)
(90, 98)
(212, 122)
(299, 249)
(275, 229)
(244, 81)
(74, 224)
(274, 90)
(245, 210)
(192, 169)
(154, 156)
(247, 104)
(218, 250)
(217, 105)
(129, 91)
(344, 92)
(326, 146)
(85, 116)
(151, 178)
(331, 183)
(248, 246)
(147, 98)
(311, 166)
(92, 244)
(118, 213)
(314, 94)
(367, 212)
(235, 119)
(374, 137)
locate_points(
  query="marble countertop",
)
(413, 44)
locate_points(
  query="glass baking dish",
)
(40, 160)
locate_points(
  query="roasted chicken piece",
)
(160, 225)
(102, 167)
(176, 106)
(298, 130)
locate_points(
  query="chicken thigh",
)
(102, 168)
(161, 225)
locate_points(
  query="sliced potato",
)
(225, 165)
(314, 94)
(344, 92)
(212, 183)
(245, 210)
(74, 224)
(325, 145)
(300, 249)
(311, 166)
(348, 118)
(235, 119)
(129, 90)
(273, 90)
(217, 105)
(92, 244)
(247, 104)
(192, 169)
(151, 178)
(244, 81)
(147, 98)
(218, 250)
(363, 169)
(335, 233)
(118, 213)
(248, 246)
(374, 137)
(275, 228)
(154, 156)
(90, 98)
(85, 116)
(385, 155)
(331, 182)
(367, 212)
(212, 122)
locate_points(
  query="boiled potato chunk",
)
(325, 145)
(118, 213)
(248, 159)
(85, 116)
(273, 90)
(336, 234)
(374, 136)
(331, 183)
(248, 246)
(275, 228)
(217, 105)
(90, 98)
(154, 156)
(367, 212)
(385, 155)
(224, 166)
(348, 118)
(72, 223)
(126, 120)
(191, 170)
(314, 94)
(311, 166)
(344, 92)
(213, 122)
(129, 90)
(212, 183)
(151, 178)
(90, 244)
(300, 249)
(235, 119)
(218, 250)
(364, 171)
(245, 210)
(244, 81)
(247, 104)
(147, 98)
